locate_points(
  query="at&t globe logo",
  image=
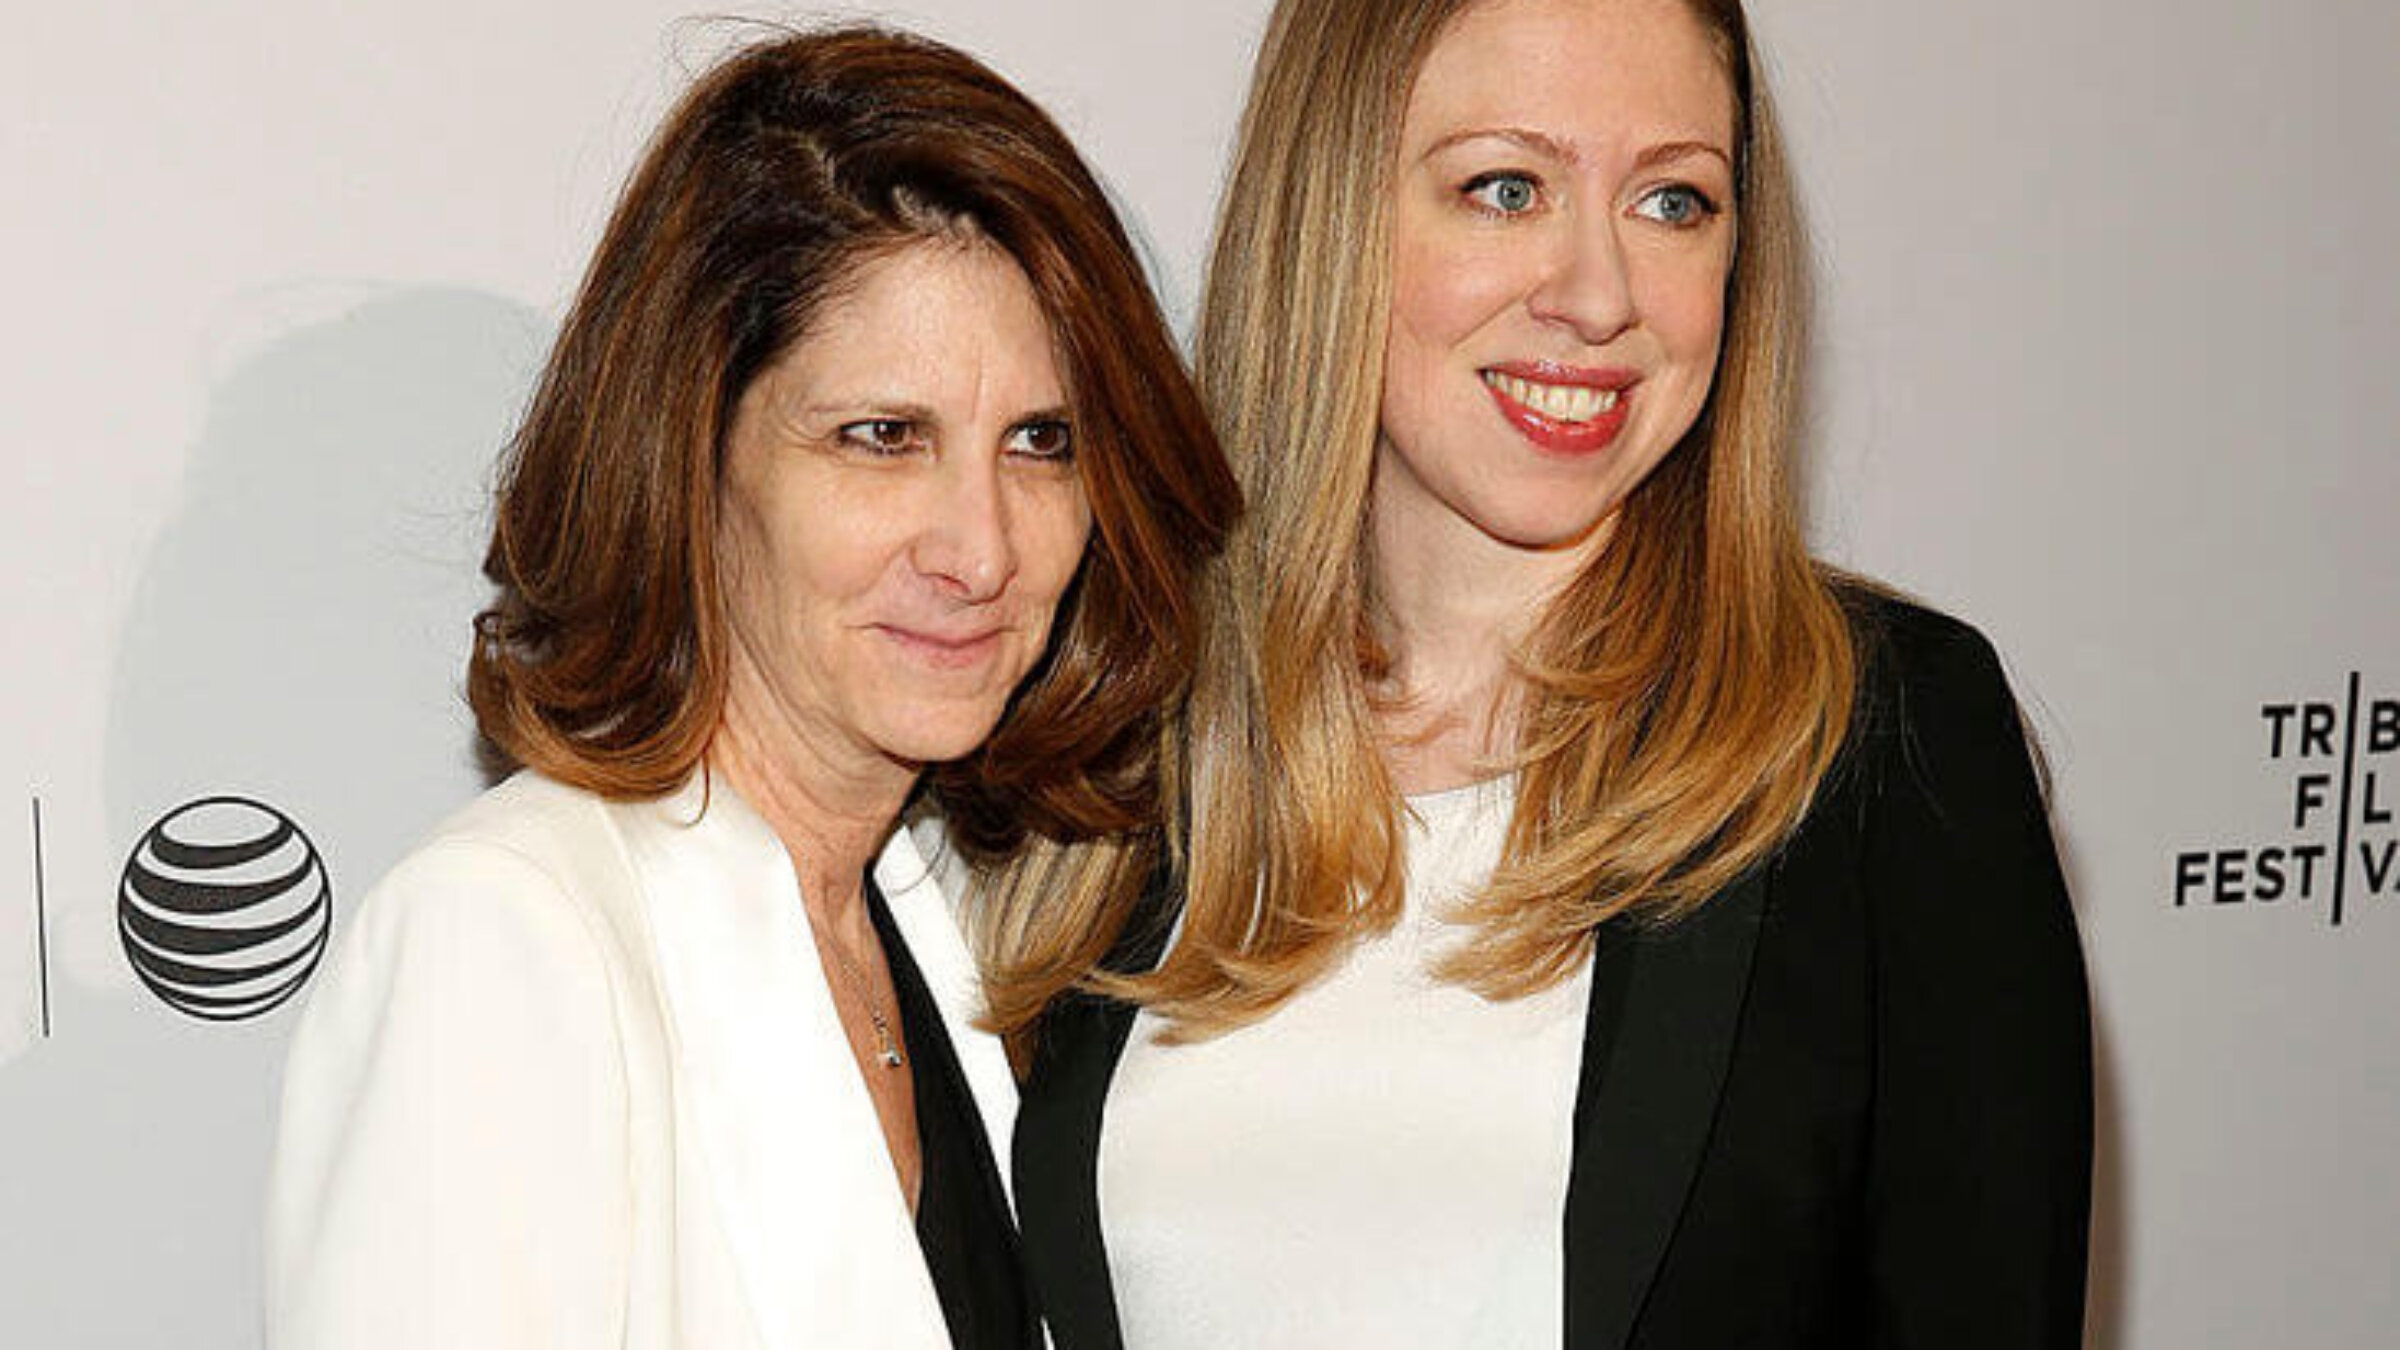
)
(224, 908)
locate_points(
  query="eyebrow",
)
(857, 409)
(1543, 144)
(894, 410)
(1674, 150)
(1518, 136)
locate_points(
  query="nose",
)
(1587, 286)
(966, 547)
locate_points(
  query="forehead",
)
(1591, 72)
(930, 308)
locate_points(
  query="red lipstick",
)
(1555, 434)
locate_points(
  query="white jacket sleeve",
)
(451, 1169)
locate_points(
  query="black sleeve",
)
(1979, 1171)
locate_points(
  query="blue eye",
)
(1676, 204)
(881, 435)
(1048, 439)
(1507, 194)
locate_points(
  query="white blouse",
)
(1381, 1162)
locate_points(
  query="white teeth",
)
(1558, 402)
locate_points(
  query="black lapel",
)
(1056, 1152)
(1657, 1042)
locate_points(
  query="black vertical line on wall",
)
(41, 917)
(2341, 833)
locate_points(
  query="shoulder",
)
(1938, 763)
(1912, 654)
(527, 820)
(1928, 684)
(1936, 752)
(478, 959)
(513, 886)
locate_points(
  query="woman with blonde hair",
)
(1587, 917)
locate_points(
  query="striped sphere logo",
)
(224, 908)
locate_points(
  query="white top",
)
(573, 1077)
(1383, 1162)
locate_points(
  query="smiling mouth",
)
(1568, 403)
(1564, 411)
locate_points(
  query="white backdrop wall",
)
(2104, 326)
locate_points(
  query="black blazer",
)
(1846, 1104)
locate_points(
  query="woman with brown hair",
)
(1591, 919)
(863, 472)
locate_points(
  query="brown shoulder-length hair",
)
(602, 659)
(1680, 701)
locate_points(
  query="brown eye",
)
(881, 435)
(1053, 440)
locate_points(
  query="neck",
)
(1452, 605)
(831, 803)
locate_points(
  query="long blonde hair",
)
(1681, 700)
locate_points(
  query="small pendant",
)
(890, 1057)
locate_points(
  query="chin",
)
(937, 735)
(1542, 526)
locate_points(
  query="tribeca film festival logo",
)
(224, 908)
(2339, 762)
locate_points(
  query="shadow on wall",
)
(297, 636)
(2112, 1254)
(300, 630)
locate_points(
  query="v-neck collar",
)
(793, 1153)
